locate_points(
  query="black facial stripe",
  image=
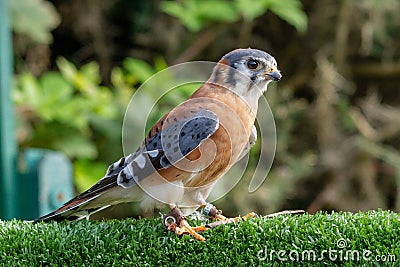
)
(231, 77)
(216, 76)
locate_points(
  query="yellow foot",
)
(175, 221)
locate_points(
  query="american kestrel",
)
(188, 149)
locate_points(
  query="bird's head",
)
(247, 72)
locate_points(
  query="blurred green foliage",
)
(71, 111)
(34, 18)
(196, 14)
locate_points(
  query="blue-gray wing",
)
(165, 148)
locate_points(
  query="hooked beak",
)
(274, 75)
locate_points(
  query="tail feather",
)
(72, 210)
(75, 208)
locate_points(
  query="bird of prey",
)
(188, 149)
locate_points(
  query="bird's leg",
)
(176, 222)
(211, 211)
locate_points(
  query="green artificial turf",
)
(336, 239)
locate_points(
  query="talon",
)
(186, 228)
(172, 227)
(200, 229)
(220, 217)
(250, 215)
(176, 222)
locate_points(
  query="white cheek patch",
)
(140, 160)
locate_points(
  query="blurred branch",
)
(362, 124)
(386, 119)
(342, 32)
(205, 38)
(327, 84)
(386, 154)
(376, 69)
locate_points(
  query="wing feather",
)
(168, 146)
(161, 150)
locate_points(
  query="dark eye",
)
(253, 64)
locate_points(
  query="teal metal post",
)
(8, 147)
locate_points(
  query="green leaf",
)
(112, 129)
(185, 12)
(251, 9)
(67, 69)
(87, 172)
(60, 136)
(172, 8)
(28, 91)
(217, 10)
(193, 23)
(86, 79)
(139, 69)
(75, 145)
(160, 64)
(91, 72)
(74, 113)
(55, 87)
(291, 11)
(195, 14)
(35, 18)
(55, 91)
(102, 103)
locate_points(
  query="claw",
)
(185, 228)
(176, 222)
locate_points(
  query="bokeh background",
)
(337, 108)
